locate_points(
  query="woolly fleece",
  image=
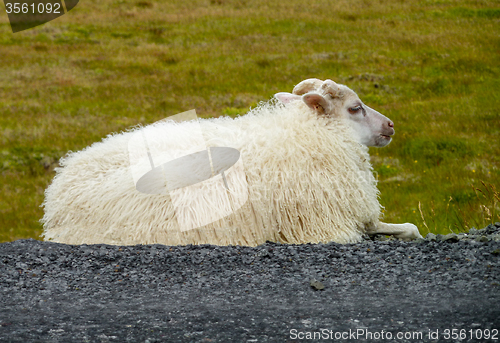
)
(308, 181)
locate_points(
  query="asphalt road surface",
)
(441, 289)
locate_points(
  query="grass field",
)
(432, 66)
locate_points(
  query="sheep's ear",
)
(285, 98)
(306, 86)
(316, 102)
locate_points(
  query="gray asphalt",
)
(371, 291)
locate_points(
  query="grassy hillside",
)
(432, 66)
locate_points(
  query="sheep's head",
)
(327, 98)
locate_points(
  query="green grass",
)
(431, 66)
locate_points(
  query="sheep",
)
(293, 170)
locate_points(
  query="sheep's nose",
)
(391, 124)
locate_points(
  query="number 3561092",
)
(32, 8)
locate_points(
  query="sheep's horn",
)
(330, 87)
(307, 86)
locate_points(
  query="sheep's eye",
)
(354, 110)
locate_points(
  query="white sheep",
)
(294, 171)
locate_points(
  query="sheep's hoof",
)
(410, 233)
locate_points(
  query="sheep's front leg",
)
(405, 231)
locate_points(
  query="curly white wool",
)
(308, 181)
